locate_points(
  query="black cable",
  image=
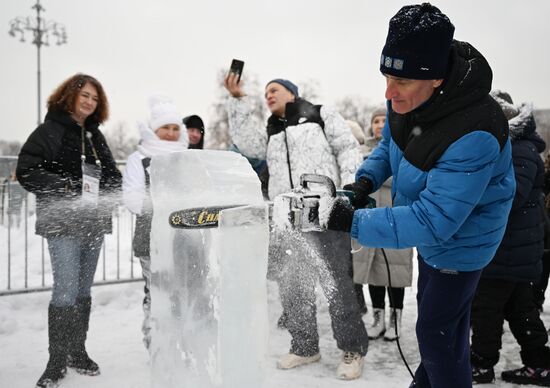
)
(390, 295)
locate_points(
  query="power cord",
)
(390, 295)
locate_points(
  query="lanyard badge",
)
(91, 174)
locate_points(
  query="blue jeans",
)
(74, 261)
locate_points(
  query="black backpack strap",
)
(145, 163)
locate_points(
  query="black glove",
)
(361, 190)
(340, 216)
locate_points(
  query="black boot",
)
(57, 336)
(527, 375)
(482, 368)
(78, 357)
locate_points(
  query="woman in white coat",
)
(161, 134)
(369, 265)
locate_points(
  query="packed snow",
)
(114, 341)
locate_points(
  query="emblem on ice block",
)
(198, 217)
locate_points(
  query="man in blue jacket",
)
(446, 145)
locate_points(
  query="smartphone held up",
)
(237, 68)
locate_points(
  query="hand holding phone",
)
(231, 81)
(237, 68)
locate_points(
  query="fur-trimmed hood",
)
(523, 126)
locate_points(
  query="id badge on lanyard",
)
(91, 175)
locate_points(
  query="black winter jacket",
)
(519, 255)
(49, 166)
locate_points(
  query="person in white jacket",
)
(161, 134)
(304, 138)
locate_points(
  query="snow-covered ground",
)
(114, 341)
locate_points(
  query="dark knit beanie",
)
(418, 43)
(287, 84)
(194, 121)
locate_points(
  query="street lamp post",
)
(41, 31)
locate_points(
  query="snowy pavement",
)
(115, 343)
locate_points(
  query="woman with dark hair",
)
(67, 164)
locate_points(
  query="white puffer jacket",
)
(334, 153)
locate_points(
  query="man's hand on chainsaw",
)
(335, 214)
(361, 190)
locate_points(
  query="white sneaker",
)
(351, 366)
(390, 333)
(378, 326)
(291, 360)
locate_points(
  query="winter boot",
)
(57, 335)
(78, 357)
(146, 325)
(527, 375)
(482, 375)
(291, 360)
(395, 315)
(482, 368)
(378, 326)
(351, 366)
(361, 299)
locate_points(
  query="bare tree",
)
(309, 90)
(120, 142)
(542, 119)
(9, 148)
(357, 109)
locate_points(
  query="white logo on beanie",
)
(163, 111)
(392, 63)
(398, 64)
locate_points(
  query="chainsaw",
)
(299, 208)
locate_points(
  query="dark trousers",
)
(323, 257)
(443, 327)
(498, 300)
(378, 294)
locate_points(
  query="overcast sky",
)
(138, 47)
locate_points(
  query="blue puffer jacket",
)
(518, 257)
(453, 179)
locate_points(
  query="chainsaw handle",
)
(319, 179)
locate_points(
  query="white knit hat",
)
(163, 111)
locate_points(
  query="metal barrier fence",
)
(24, 258)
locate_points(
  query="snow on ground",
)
(114, 340)
(115, 343)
